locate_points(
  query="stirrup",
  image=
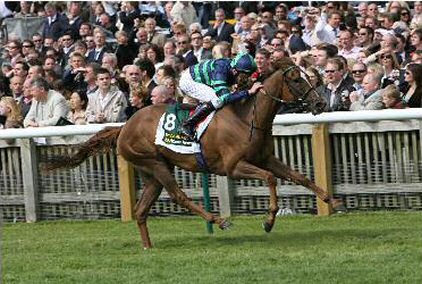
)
(188, 131)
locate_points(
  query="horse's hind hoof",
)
(225, 225)
(267, 227)
(338, 206)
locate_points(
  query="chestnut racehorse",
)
(238, 143)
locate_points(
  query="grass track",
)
(381, 247)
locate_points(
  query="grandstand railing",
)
(371, 165)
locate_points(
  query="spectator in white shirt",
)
(348, 51)
(327, 30)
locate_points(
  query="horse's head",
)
(296, 89)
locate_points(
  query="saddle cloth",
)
(169, 136)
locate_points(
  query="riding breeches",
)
(199, 91)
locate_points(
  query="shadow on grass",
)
(282, 239)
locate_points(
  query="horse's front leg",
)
(246, 170)
(150, 194)
(283, 171)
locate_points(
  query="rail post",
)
(127, 189)
(322, 165)
(30, 179)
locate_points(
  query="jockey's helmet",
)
(244, 62)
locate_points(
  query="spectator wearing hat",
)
(221, 30)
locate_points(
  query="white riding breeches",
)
(198, 91)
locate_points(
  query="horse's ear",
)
(282, 63)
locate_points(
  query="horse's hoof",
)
(338, 206)
(267, 227)
(225, 225)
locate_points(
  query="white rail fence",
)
(374, 164)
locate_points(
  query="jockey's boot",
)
(201, 112)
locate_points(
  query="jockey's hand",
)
(255, 88)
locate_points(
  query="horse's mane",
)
(242, 108)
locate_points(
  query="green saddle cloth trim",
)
(174, 117)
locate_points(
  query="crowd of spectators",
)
(99, 62)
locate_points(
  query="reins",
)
(299, 103)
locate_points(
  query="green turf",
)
(382, 247)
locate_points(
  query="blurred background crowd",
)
(98, 62)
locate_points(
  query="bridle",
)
(300, 99)
(299, 104)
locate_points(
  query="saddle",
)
(168, 134)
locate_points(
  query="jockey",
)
(209, 82)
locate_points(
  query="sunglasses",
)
(330, 71)
(386, 57)
(358, 71)
(405, 14)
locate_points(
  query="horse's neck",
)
(259, 110)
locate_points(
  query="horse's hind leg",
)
(244, 169)
(164, 176)
(281, 170)
(150, 194)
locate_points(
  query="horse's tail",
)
(102, 142)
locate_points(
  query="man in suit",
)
(200, 53)
(184, 48)
(154, 37)
(96, 55)
(221, 30)
(335, 93)
(55, 24)
(147, 73)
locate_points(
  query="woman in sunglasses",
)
(391, 67)
(413, 91)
